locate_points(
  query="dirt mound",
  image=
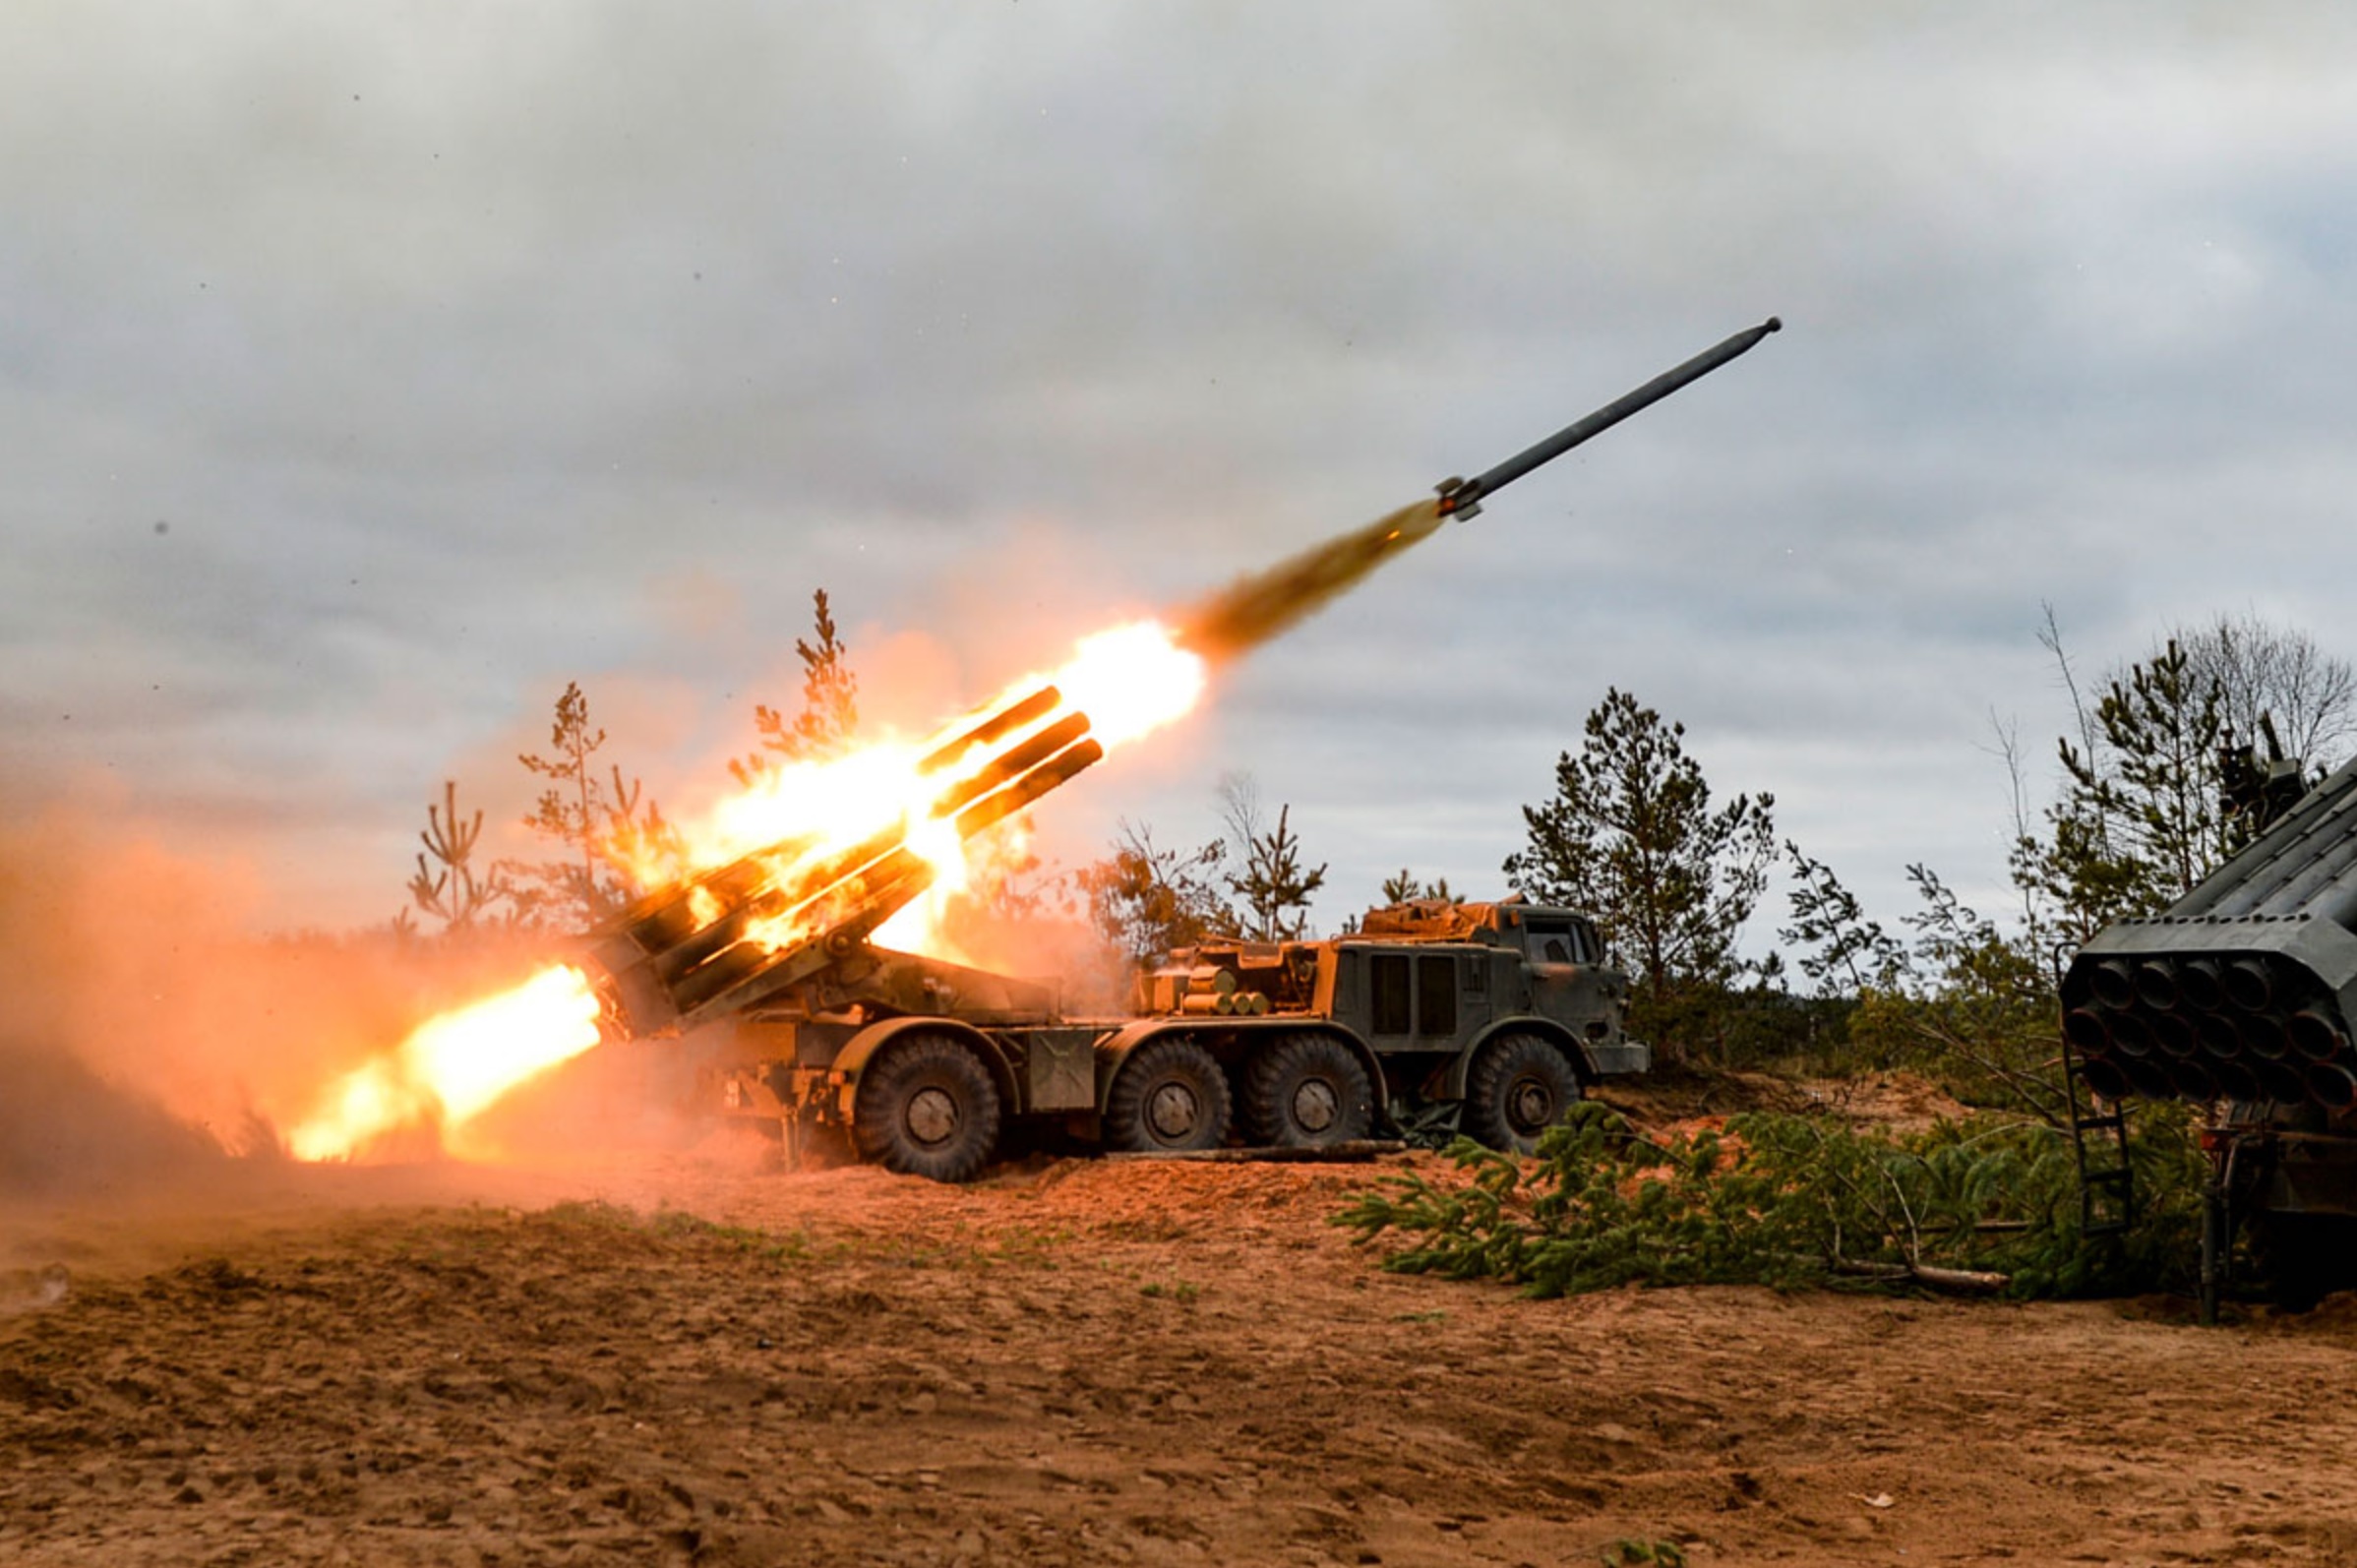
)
(65, 1130)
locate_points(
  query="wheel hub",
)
(1530, 1106)
(1315, 1106)
(931, 1117)
(1173, 1110)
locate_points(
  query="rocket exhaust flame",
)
(815, 857)
(1256, 608)
(453, 1066)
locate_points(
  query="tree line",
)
(2159, 778)
(2173, 762)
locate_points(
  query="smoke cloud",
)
(145, 1034)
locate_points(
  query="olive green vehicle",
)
(1495, 1016)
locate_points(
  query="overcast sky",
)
(369, 371)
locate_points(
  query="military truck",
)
(1503, 1010)
(1499, 1014)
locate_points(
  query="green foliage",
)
(1405, 888)
(1852, 952)
(1785, 1201)
(1977, 1008)
(1631, 837)
(1757, 1024)
(1630, 1552)
(1146, 901)
(2139, 823)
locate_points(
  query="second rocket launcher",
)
(726, 939)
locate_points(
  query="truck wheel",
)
(1520, 1086)
(1307, 1091)
(1170, 1096)
(927, 1107)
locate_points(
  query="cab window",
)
(1387, 975)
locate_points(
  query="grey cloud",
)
(453, 341)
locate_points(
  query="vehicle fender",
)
(844, 1072)
(1115, 1049)
(1453, 1084)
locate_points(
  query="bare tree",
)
(2262, 669)
(1146, 900)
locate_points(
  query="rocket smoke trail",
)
(1253, 609)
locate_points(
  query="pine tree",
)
(1269, 876)
(1404, 889)
(830, 716)
(603, 822)
(1631, 837)
(2140, 820)
(1854, 953)
(454, 894)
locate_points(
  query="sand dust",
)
(1072, 1361)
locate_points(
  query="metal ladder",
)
(2106, 1183)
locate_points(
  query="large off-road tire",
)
(1170, 1097)
(1307, 1091)
(1519, 1086)
(925, 1107)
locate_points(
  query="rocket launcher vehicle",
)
(723, 940)
(727, 939)
(2245, 989)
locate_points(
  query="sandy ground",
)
(693, 1358)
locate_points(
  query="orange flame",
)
(454, 1065)
(1127, 682)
